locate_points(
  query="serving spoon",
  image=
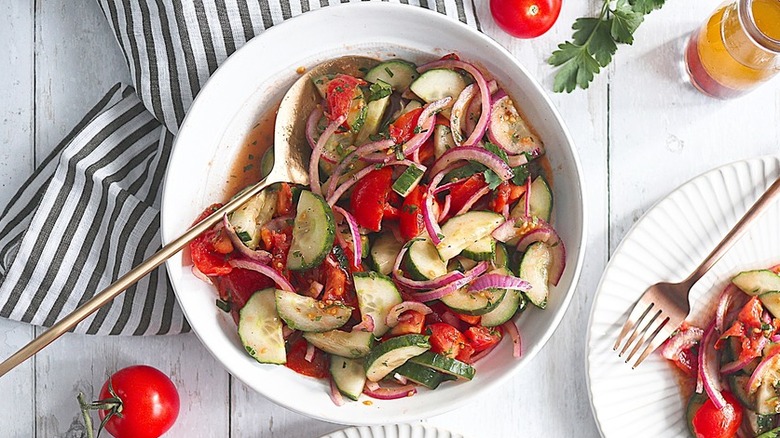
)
(291, 156)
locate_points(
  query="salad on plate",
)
(426, 227)
(732, 366)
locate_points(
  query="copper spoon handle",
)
(130, 278)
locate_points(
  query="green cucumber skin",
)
(422, 375)
(410, 343)
(445, 365)
(478, 252)
(757, 282)
(475, 304)
(296, 260)
(307, 314)
(349, 375)
(259, 310)
(351, 345)
(418, 256)
(538, 276)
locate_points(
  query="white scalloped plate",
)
(394, 431)
(666, 245)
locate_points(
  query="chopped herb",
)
(252, 157)
(409, 208)
(338, 252)
(363, 70)
(378, 166)
(339, 89)
(250, 350)
(492, 179)
(521, 174)
(248, 167)
(244, 236)
(419, 130)
(379, 90)
(223, 306)
(389, 72)
(399, 153)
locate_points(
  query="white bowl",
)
(249, 83)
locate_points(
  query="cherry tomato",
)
(445, 339)
(710, 422)
(525, 18)
(369, 197)
(149, 403)
(402, 129)
(482, 338)
(296, 360)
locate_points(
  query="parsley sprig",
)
(595, 41)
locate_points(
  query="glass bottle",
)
(736, 49)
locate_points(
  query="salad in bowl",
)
(424, 230)
(209, 157)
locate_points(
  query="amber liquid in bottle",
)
(721, 59)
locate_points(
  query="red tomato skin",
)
(296, 360)
(339, 95)
(482, 338)
(150, 403)
(203, 252)
(461, 192)
(402, 129)
(525, 18)
(411, 221)
(410, 322)
(369, 197)
(709, 422)
(445, 339)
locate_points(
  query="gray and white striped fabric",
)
(90, 212)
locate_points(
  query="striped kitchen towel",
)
(90, 212)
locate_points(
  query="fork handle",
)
(736, 233)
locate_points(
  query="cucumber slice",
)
(694, 403)
(383, 253)
(758, 423)
(392, 353)
(346, 344)
(423, 262)
(502, 256)
(466, 264)
(376, 295)
(482, 249)
(444, 364)
(250, 217)
(508, 129)
(540, 204)
(260, 328)
(442, 140)
(309, 315)
(465, 230)
(473, 303)
(397, 73)
(408, 180)
(421, 375)
(349, 375)
(757, 282)
(375, 110)
(506, 309)
(535, 269)
(313, 232)
(767, 402)
(738, 385)
(774, 433)
(771, 300)
(437, 84)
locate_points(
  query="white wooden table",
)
(640, 131)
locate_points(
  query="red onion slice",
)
(366, 325)
(768, 364)
(311, 134)
(314, 161)
(459, 110)
(709, 364)
(506, 231)
(468, 276)
(499, 281)
(445, 209)
(309, 356)
(514, 333)
(357, 246)
(425, 124)
(726, 297)
(431, 219)
(739, 364)
(335, 394)
(517, 160)
(390, 393)
(473, 153)
(484, 91)
(266, 270)
(395, 312)
(474, 109)
(201, 276)
(258, 255)
(683, 340)
(420, 284)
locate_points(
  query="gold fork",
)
(663, 307)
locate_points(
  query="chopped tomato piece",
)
(369, 198)
(427, 156)
(203, 251)
(445, 339)
(468, 319)
(688, 362)
(711, 422)
(296, 360)
(461, 192)
(411, 221)
(465, 353)
(482, 338)
(505, 194)
(340, 94)
(410, 321)
(749, 329)
(402, 129)
(284, 199)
